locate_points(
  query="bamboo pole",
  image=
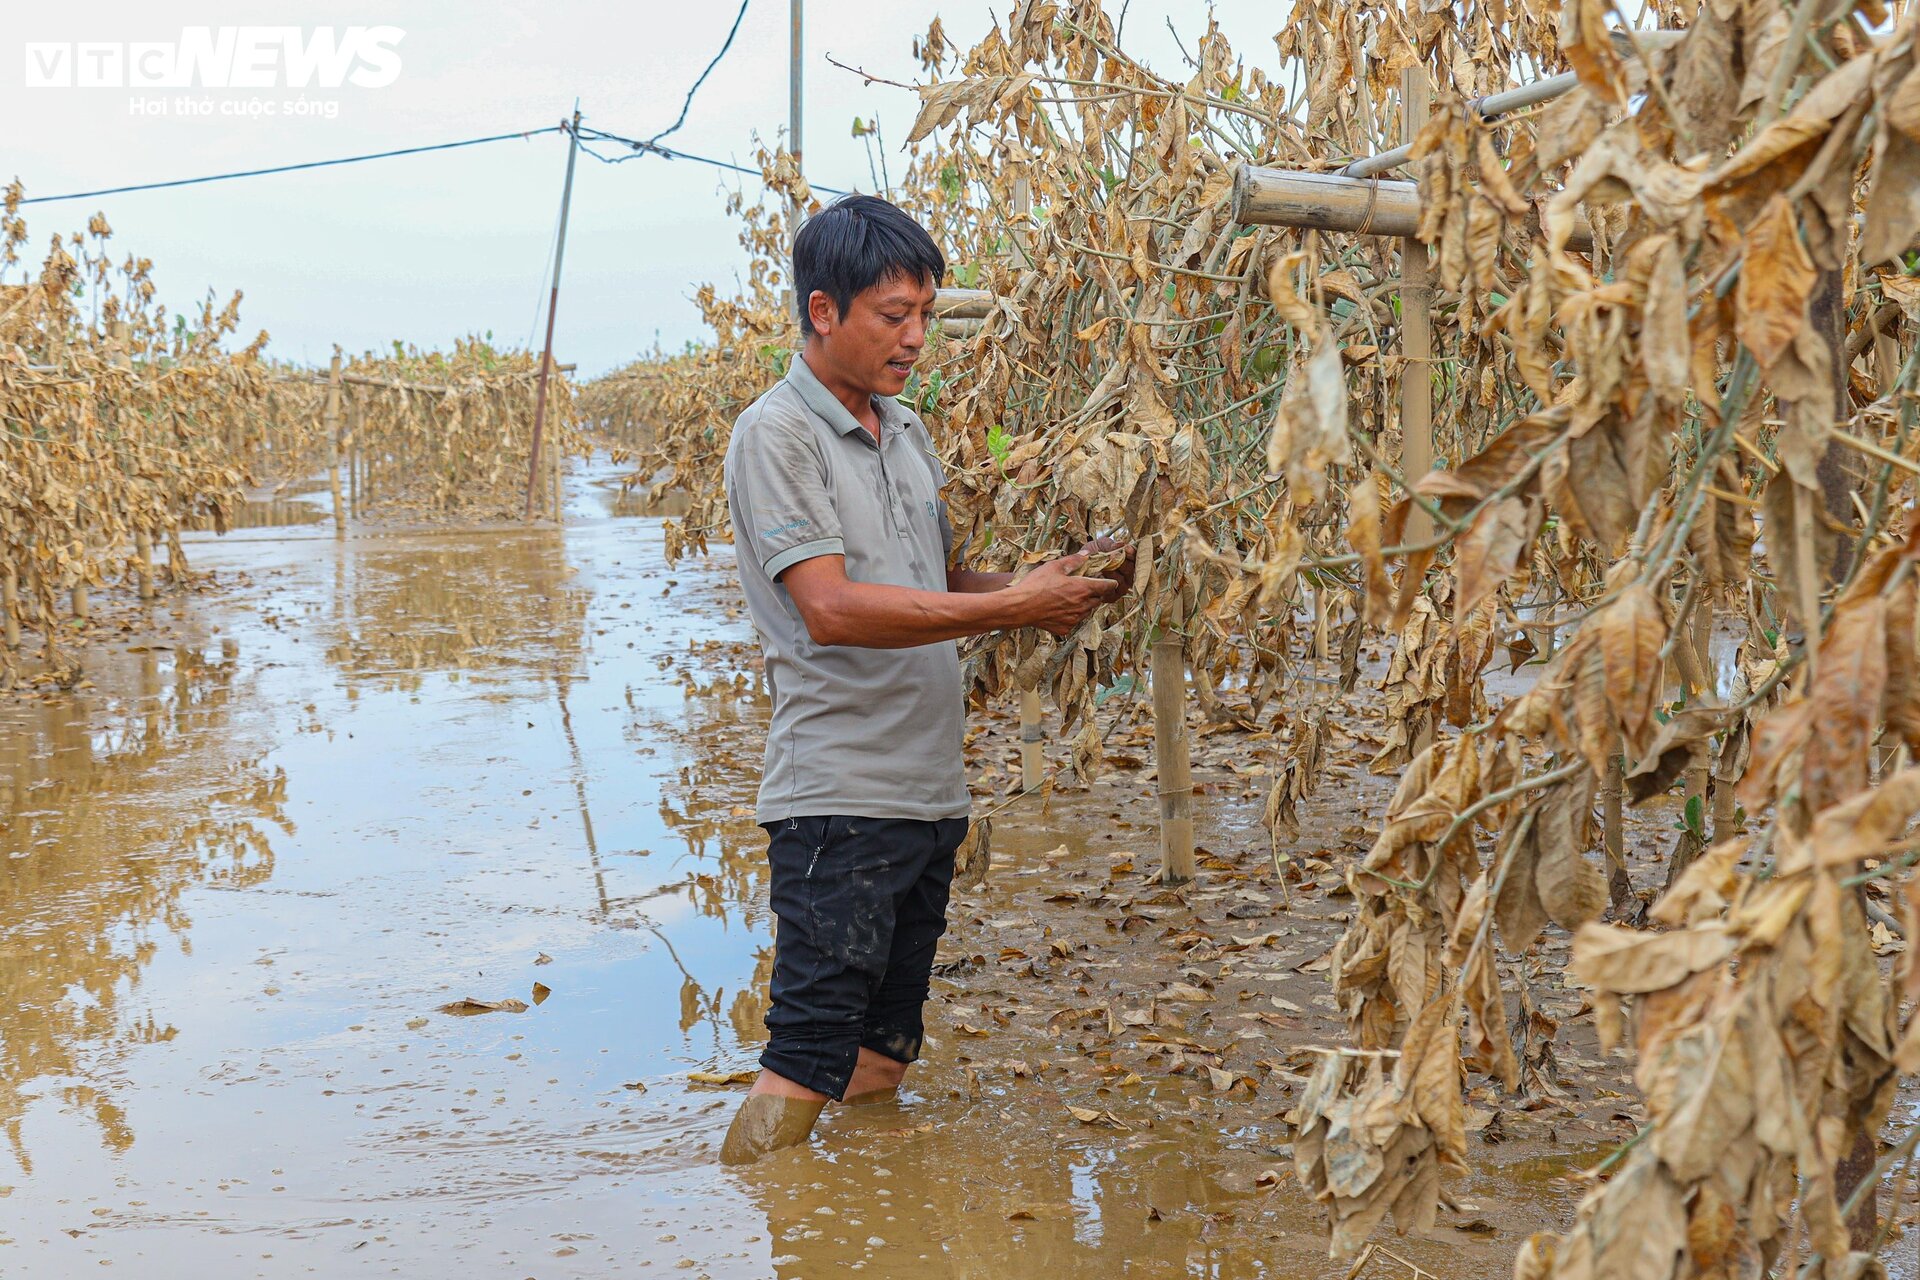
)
(1416, 328)
(1416, 347)
(1699, 690)
(330, 423)
(963, 304)
(10, 604)
(1264, 197)
(1032, 739)
(1516, 99)
(122, 358)
(1613, 836)
(1032, 755)
(1171, 761)
(353, 460)
(1889, 754)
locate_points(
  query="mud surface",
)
(247, 869)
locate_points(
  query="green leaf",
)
(999, 443)
(1696, 816)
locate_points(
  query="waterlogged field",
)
(250, 870)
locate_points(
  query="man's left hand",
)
(1122, 572)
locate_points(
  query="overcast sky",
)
(425, 248)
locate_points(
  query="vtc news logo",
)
(223, 58)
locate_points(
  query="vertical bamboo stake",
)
(1699, 640)
(1416, 328)
(1031, 737)
(353, 460)
(77, 595)
(1175, 770)
(1619, 884)
(1032, 757)
(330, 423)
(142, 537)
(1886, 372)
(10, 604)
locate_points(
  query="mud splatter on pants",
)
(862, 903)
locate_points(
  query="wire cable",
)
(687, 105)
(290, 168)
(642, 148)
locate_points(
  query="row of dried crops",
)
(1702, 423)
(121, 427)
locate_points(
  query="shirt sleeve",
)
(780, 485)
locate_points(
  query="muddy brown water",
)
(371, 777)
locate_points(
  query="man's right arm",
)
(871, 615)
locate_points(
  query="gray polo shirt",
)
(871, 733)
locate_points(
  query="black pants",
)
(862, 903)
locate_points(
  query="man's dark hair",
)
(855, 243)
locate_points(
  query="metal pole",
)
(1499, 104)
(793, 84)
(553, 305)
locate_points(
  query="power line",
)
(642, 148)
(289, 168)
(726, 45)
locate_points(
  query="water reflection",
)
(907, 1191)
(98, 860)
(486, 603)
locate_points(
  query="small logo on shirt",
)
(931, 513)
(788, 527)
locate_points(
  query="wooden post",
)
(330, 423)
(1175, 770)
(553, 308)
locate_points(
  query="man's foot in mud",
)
(876, 1080)
(768, 1122)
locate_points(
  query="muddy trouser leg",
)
(894, 1026)
(837, 883)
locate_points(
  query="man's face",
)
(874, 345)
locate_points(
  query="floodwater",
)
(368, 778)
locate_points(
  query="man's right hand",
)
(1057, 600)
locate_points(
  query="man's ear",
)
(821, 312)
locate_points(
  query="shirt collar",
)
(824, 403)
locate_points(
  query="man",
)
(844, 546)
